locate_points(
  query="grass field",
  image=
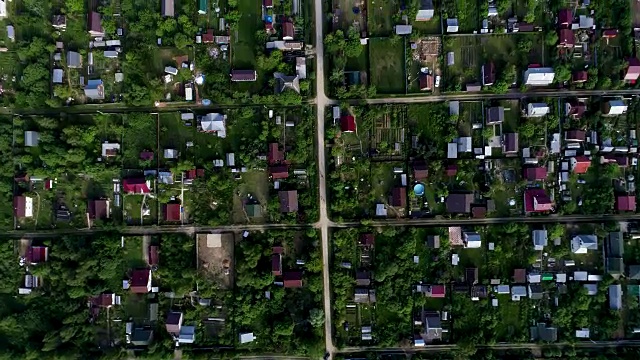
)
(379, 17)
(175, 135)
(466, 68)
(428, 27)
(244, 41)
(140, 134)
(387, 65)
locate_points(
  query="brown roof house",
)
(575, 109)
(488, 74)
(104, 300)
(174, 323)
(94, 24)
(99, 209)
(279, 171)
(458, 203)
(23, 206)
(420, 170)
(275, 155)
(288, 201)
(398, 197)
(288, 31)
(276, 264)
(566, 39)
(244, 75)
(579, 77)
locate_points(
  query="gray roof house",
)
(432, 326)
(540, 238)
(615, 297)
(425, 11)
(94, 89)
(615, 245)
(580, 244)
(74, 59)
(543, 333)
(634, 272)
(284, 82)
(167, 8)
(495, 115)
(403, 29)
(535, 291)
(31, 138)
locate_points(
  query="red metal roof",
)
(276, 264)
(537, 200)
(37, 254)
(438, 291)
(139, 280)
(566, 37)
(565, 17)
(102, 300)
(208, 37)
(279, 171)
(98, 209)
(288, 30)
(268, 3)
(626, 203)
(171, 212)
(535, 173)
(135, 185)
(610, 33)
(347, 123)
(275, 154)
(580, 164)
(194, 173)
(292, 279)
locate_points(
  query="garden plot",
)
(215, 257)
(386, 57)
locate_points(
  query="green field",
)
(380, 15)
(244, 37)
(387, 65)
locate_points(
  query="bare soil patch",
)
(215, 257)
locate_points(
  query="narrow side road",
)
(323, 224)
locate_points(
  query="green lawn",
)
(387, 71)
(244, 41)
(175, 135)
(140, 133)
(359, 63)
(133, 252)
(428, 27)
(380, 15)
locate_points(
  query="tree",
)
(552, 38)
(316, 318)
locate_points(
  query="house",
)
(288, 31)
(502, 289)
(535, 291)
(268, 4)
(433, 291)
(609, 33)
(106, 300)
(170, 153)
(583, 333)
(633, 70)
(202, 7)
(585, 22)
(59, 22)
(425, 11)
(172, 212)
(615, 297)
(425, 82)
(398, 197)
(208, 37)
(173, 323)
(495, 115)
(433, 241)
(580, 164)
(537, 200)
(74, 60)
(540, 238)
(146, 155)
(581, 244)
(363, 278)
(518, 292)
(592, 289)
(565, 18)
(23, 206)
(510, 143)
(247, 338)
(99, 209)
(575, 109)
(566, 38)
(575, 135)
(537, 109)
(94, 24)
(539, 76)
(614, 108)
(347, 123)
(167, 8)
(471, 240)
(244, 75)
(276, 264)
(519, 276)
(31, 138)
(452, 25)
(301, 67)
(451, 170)
(288, 201)
(488, 74)
(420, 170)
(190, 175)
(626, 203)
(432, 326)
(292, 279)
(537, 173)
(110, 149)
(403, 29)
(140, 282)
(36, 255)
(57, 76)
(459, 203)
(368, 240)
(141, 337)
(284, 82)
(541, 332)
(135, 186)
(275, 155)
(279, 171)
(152, 254)
(214, 123)
(634, 272)
(579, 77)
(94, 89)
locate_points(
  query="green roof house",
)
(253, 210)
(202, 7)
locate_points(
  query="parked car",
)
(437, 81)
